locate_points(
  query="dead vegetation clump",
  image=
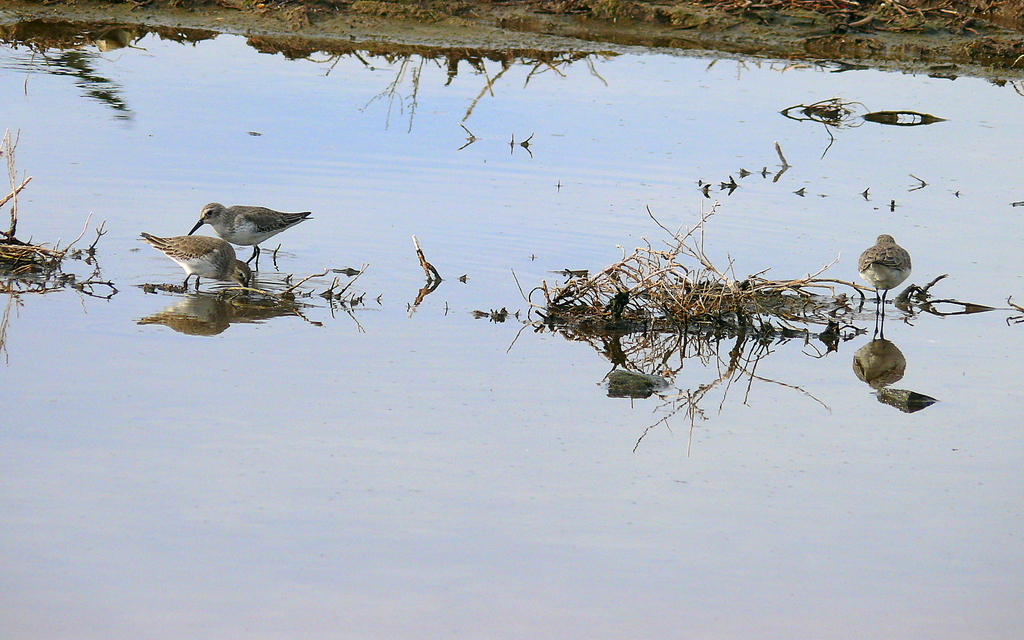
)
(27, 267)
(678, 288)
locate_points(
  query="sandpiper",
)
(203, 256)
(884, 266)
(244, 225)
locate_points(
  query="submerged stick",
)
(428, 268)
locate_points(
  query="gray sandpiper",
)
(245, 225)
(884, 266)
(203, 257)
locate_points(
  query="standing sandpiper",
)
(884, 266)
(246, 225)
(203, 257)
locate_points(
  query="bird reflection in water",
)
(879, 364)
(209, 315)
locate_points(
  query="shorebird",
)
(203, 257)
(244, 225)
(884, 266)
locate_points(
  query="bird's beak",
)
(196, 228)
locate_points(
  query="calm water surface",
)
(420, 474)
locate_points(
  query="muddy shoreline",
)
(946, 42)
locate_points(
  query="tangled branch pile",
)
(678, 287)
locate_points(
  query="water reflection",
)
(835, 114)
(627, 384)
(80, 65)
(204, 314)
(60, 48)
(646, 363)
(879, 364)
(408, 64)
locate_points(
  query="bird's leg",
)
(884, 293)
(185, 285)
(255, 255)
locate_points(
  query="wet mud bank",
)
(945, 38)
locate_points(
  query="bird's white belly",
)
(204, 267)
(883, 277)
(246, 233)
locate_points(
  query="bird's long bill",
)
(196, 228)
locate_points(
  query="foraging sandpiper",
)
(884, 266)
(244, 225)
(203, 257)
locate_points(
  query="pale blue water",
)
(412, 476)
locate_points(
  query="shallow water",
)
(410, 473)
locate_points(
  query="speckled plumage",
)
(885, 265)
(202, 257)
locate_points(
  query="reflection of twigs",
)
(920, 297)
(651, 427)
(785, 165)
(88, 287)
(538, 65)
(359, 327)
(414, 102)
(12, 299)
(742, 362)
(1015, 319)
(488, 88)
(593, 71)
(831, 113)
(424, 291)
(291, 288)
(298, 312)
(831, 141)
(391, 91)
(470, 140)
(516, 339)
